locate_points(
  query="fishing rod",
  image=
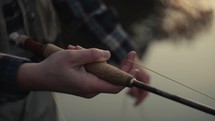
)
(107, 72)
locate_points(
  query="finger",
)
(143, 76)
(132, 92)
(90, 95)
(78, 47)
(85, 56)
(142, 95)
(71, 47)
(136, 93)
(127, 66)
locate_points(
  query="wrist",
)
(27, 77)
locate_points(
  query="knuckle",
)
(89, 96)
(116, 91)
(95, 53)
(68, 53)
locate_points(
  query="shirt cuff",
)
(9, 90)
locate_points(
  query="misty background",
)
(191, 63)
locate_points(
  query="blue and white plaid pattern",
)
(100, 21)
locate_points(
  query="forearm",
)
(34, 77)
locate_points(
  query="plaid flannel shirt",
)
(98, 22)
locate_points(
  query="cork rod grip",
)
(101, 69)
(109, 73)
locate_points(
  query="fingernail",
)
(106, 54)
(136, 71)
(78, 47)
(71, 47)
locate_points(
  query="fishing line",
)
(173, 80)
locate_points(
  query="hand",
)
(64, 72)
(138, 73)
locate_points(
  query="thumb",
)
(126, 65)
(91, 55)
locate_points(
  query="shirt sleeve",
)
(9, 66)
(97, 23)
